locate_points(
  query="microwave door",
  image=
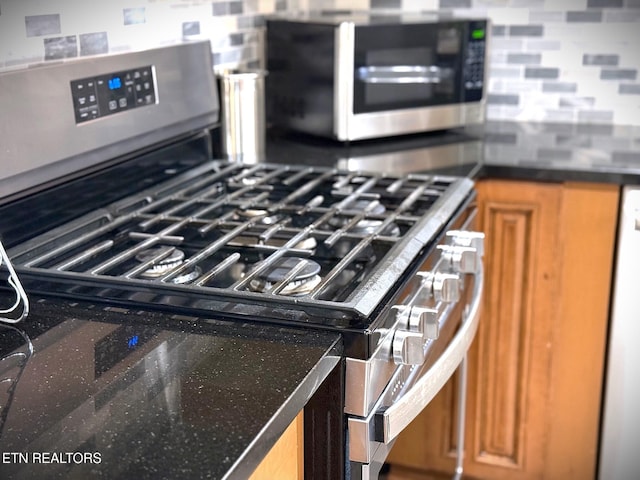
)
(421, 69)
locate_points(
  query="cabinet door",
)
(285, 459)
(525, 366)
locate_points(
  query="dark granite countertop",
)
(155, 396)
(513, 150)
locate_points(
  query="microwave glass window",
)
(395, 78)
(409, 56)
(449, 41)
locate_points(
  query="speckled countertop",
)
(148, 395)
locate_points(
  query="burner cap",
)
(175, 257)
(264, 216)
(303, 283)
(363, 226)
(281, 268)
(164, 266)
(362, 204)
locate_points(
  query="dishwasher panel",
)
(619, 459)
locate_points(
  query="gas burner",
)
(302, 284)
(165, 265)
(262, 214)
(366, 226)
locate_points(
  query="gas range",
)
(297, 244)
(133, 211)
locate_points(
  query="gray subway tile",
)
(503, 138)
(622, 16)
(557, 129)
(236, 39)
(541, 72)
(619, 74)
(611, 143)
(595, 116)
(573, 141)
(629, 89)
(386, 4)
(559, 87)
(452, 3)
(524, 58)
(236, 8)
(587, 129)
(94, 43)
(133, 16)
(526, 30)
(598, 59)
(250, 21)
(561, 117)
(577, 102)
(505, 72)
(190, 28)
(536, 45)
(625, 157)
(498, 30)
(220, 9)
(503, 99)
(39, 25)
(543, 16)
(604, 3)
(553, 154)
(60, 47)
(588, 16)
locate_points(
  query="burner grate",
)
(221, 228)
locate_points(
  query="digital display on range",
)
(115, 83)
(115, 92)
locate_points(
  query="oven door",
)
(436, 325)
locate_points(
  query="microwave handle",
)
(393, 420)
(403, 74)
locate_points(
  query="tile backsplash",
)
(566, 61)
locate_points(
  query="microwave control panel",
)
(116, 92)
(474, 62)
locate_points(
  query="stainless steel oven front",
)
(359, 76)
(432, 327)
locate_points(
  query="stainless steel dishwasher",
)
(619, 459)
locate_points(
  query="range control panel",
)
(113, 93)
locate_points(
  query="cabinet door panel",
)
(509, 383)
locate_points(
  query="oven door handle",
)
(393, 420)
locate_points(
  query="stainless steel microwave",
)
(355, 76)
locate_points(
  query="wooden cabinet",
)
(536, 366)
(285, 460)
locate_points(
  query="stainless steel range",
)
(126, 206)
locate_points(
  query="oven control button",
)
(466, 238)
(460, 259)
(446, 287)
(423, 320)
(443, 287)
(427, 318)
(408, 348)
